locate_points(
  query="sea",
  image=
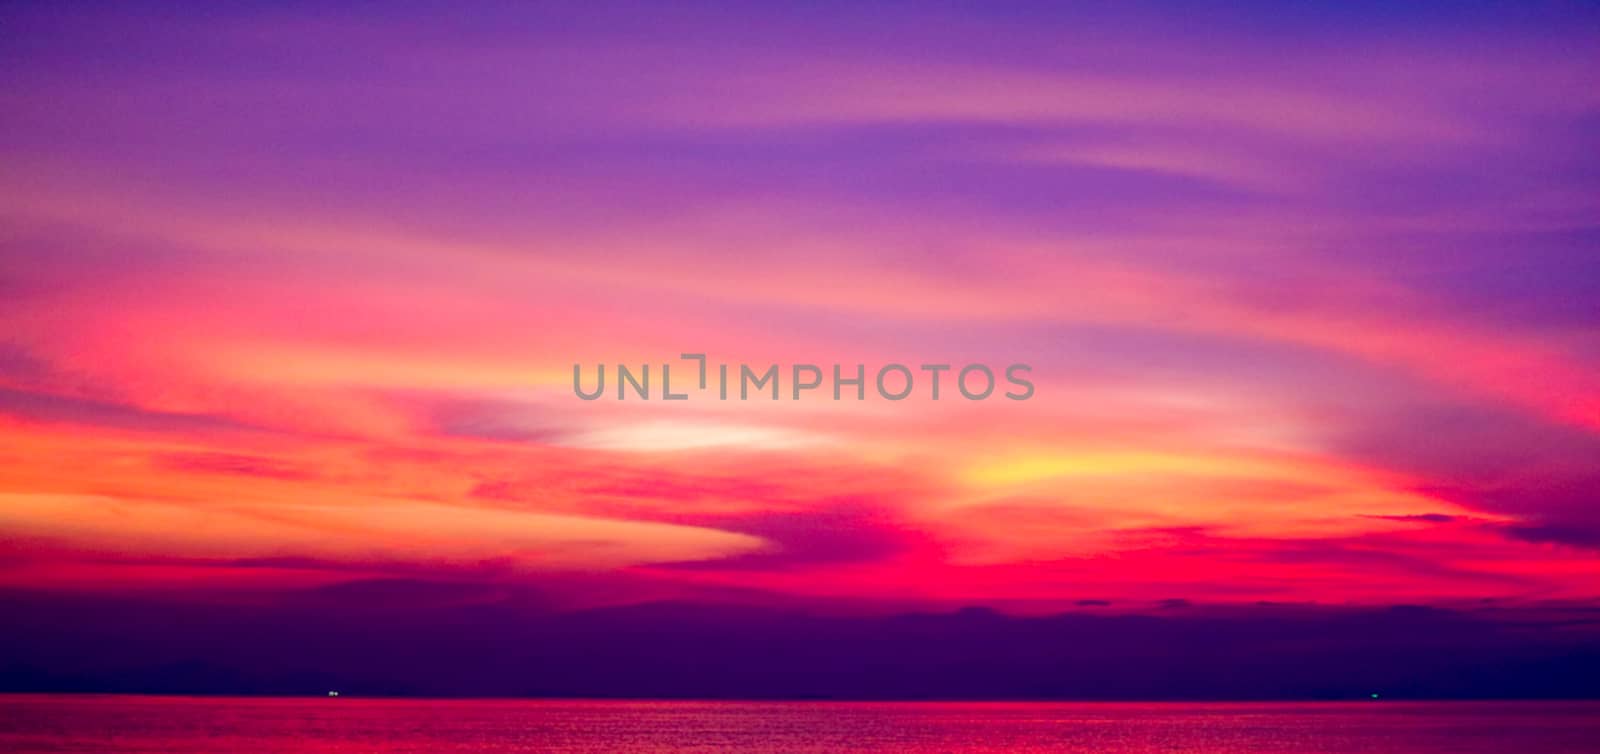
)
(247, 725)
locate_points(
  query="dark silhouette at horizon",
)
(400, 638)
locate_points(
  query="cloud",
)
(1579, 533)
(45, 407)
(829, 532)
(1429, 518)
(1306, 325)
(230, 463)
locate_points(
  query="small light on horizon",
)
(335, 693)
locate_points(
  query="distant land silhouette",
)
(406, 638)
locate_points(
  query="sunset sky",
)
(290, 298)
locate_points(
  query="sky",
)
(291, 298)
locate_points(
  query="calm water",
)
(184, 724)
